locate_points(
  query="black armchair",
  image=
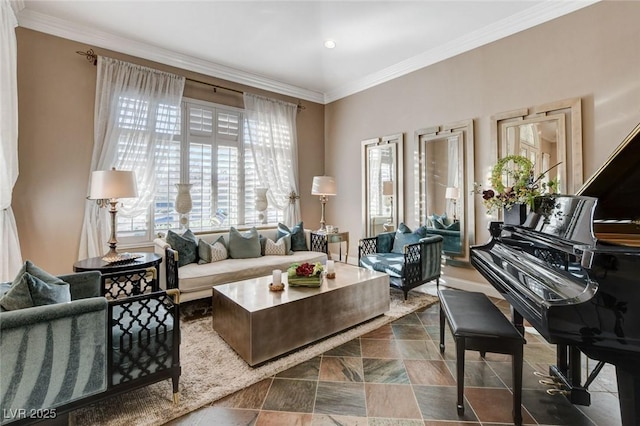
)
(418, 263)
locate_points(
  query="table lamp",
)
(323, 186)
(107, 187)
(451, 193)
(387, 190)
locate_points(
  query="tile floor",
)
(395, 375)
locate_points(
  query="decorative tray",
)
(121, 258)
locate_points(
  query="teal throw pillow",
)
(263, 244)
(439, 221)
(37, 272)
(28, 291)
(298, 239)
(186, 245)
(213, 252)
(404, 236)
(455, 226)
(244, 245)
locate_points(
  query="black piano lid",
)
(616, 184)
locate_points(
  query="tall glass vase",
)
(184, 203)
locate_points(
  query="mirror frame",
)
(567, 110)
(397, 142)
(466, 206)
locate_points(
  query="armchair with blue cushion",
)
(449, 230)
(409, 258)
(72, 340)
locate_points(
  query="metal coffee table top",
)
(254, 294)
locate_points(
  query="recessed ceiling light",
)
(329, 44)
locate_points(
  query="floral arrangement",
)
(517, 170)
(305, 274)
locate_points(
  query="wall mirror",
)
(382, 186)
(547, 135)
(446, 174)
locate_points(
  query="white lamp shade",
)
(324, 185)
(451, 193)
(106, 184)
(387, 187)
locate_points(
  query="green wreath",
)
(522, 174)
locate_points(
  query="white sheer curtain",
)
(136, 113)
(10, 256)
(271, 132)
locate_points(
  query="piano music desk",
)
(477, 324)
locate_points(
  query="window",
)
(209, 153)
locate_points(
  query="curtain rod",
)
(92, 57)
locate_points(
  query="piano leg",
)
(568, 373)
(629, 394)
(517, 320)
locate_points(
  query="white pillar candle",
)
(277, 277)
(330, 267)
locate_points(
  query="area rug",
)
(212, 370)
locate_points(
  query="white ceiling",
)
(278, 45)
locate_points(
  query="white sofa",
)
(195, 281)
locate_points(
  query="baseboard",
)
(468, 285)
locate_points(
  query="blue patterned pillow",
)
(206, 252)
(186, 245)
(298, 239)
(404, 236)
(244, 245)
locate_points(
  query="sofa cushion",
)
(298, 239)
(212, 252)
(28, 291)
(404, 236)
(194, 277)
(280, 248)
(244, 245)
(389, 263)
(186, 245)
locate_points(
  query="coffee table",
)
(260, 324)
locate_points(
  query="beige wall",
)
(56, 92)
(592, 54)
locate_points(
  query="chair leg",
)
(442, 320)
(460, 348)
(175, 378)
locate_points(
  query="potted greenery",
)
(514, 186)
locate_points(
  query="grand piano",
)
(572, 270)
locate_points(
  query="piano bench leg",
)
(460, 348)
(516, 367)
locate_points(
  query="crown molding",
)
(519, 22)
(528, 18)
(83, 34)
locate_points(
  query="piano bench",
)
(477, 324)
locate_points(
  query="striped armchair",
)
(418, 263)
(111, 338)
